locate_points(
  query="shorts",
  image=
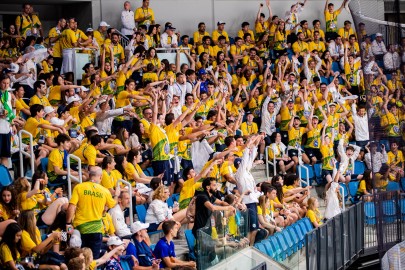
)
(293, 153)
(313, 152)
(5, 145)
(326, 173)
(284, 137)
(175, 176)
(267, 140)
(153, 227)
(285, 163)
(163, 166)
(253, 220)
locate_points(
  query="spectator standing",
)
(331, 19)
(128, 20)
(28, 24)
(378, 47)
(6, 118)
(144, 15)
(87, 205)
(100, 34)
(392, 61)
(54, 36)
(360, 119)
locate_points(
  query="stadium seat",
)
(369, 211)
(238, 132)
(300, 235)
(389, 211)
(289, 241)
(176, 197)
(5, 177)
(393, 186)
(190, 243)
(318, 173)
(289, 232)
(335, 66)
(280, 254)
(141, 211)
(125, 265)
(261, 248)
(402, 207)
(302, 172)
(170, 202)
(307, 224)
(269, 249)
(283, 244)
(346, 191)
(359, 168)
(403, 183)
(353, 187)
(152, 247)
(386, 143)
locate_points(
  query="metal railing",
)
(131, 211)
(338, 242)
(24, 153)
(268, 162)
(71, 177)
(307, 176)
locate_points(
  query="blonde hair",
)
(88, 256)
(21, 185)
(27, 222)
(311, 203)
(159, 193)
(262, 203)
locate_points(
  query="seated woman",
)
(313, 212)
(39, 198)
(10, 247)
(281, 201)
(8, 204)
(121, 139)
(278, 150)
(31, 243)
(292, 187)
(57, 161)
(158, 210)
(365, 186)
(264, 215)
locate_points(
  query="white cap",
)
(137, 226)
(48, 109)
(114, 241)
(73, 99)
(103, 23)
(89, 30)
(75, 239)
(220, 22)
(14, 68)
(378, 35)
(57, 121)
(84, 89)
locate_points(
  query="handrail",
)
(70, 176)
(128, 184)
(269, 162)
(173, 49)
(30, 154)
(302, 181)
(121, 34)
(343, 197)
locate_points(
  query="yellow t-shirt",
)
(150, 77)
(98, 37)
(216, 34)
(208, 50)
(27, 243)
(352, 73)
(19, 105)
(144, 12)
(69, 37)
(55, 93)
(391, 124)
(345, 34)
(320, 46)
(39, 100)
(109, 180)
(87, 154)
(313, 137)
(331, 20)
(300, 47)
(57, 52)
(108, 226)
(187, 192)
(155, 61)
(241, 34)
(295, 137)
(32, 127)
(6, 256)
(328, 156)
(159, 142)
(90, 199)
(46, 67)
(235, 50)
(27, 23)
(249, 129)
(362, 187)
(314, 215)
(173, 134)
(261, 28)
(197, 36)
(55, 159)
(396, 160)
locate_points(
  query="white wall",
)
(186, 14)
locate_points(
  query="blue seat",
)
(389, 211)
(369, 211)
(359, 168)
(141, 211)
(307, 224)
(300, 235)
(393, 186)
(318, 173)
(152, 247)
(335, 66)
(289, 232)
(402, 208)
(386, 144)
(44, 164)
(170, 202)
(270, 250)
(272, 242)
(261, 248)
(403, 183)
(290, 243)
(5, 177)
(353, 187)
(176, 197)
(150, 171)
(190, 243)
(283, 244)
(125, 265)
(304, 176)
(346, 191)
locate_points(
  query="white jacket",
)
(245, 179)
(344, 159)
(157, 212)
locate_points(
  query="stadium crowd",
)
(297, 93)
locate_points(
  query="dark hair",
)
(106, 160)
(168, 225)
(315, 21)
(169, 118)
(61, 138)
(38, 84)
(368, 179)
(155, 182)
(207, 182)
(12, 205)
(211, 113)
(71, 253)
(201, 23)
(279, 189)
(9, 239)
(35, 109)
(237, 39)
(186, 172)
(190, 72)
(132, 155)
(228, 140)
(118, 166)
(290, 179)
(86, 66)
(90, 133)
(39, 174)
(96, 139)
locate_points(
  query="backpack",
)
(190, 212)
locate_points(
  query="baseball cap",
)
(114, 241)
(378, 35)
(103, 23)
(202, 71)
(75, 239)
(14, 68)
(315, 116)
(84, 89)
(290, 100)
(237, 162)
(137, 226)
(73, 99)
(48, 110)
(220, 22)
(332, 104)
(169, 27)
(89, 30)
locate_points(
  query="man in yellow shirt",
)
(54, 36)
(117, 51)
(300, 46)
(331, 19)
(40, 95)
(86, 207)
(237, 50)
(144, 15)
(245, 30)
(249, 127)
(100, 33)
(199, 34)
(220, 32)
(87, 152)
(317, 44)
(206, 47)
(346, 31)
(28, 24)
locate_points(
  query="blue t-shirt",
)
(163, 249)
